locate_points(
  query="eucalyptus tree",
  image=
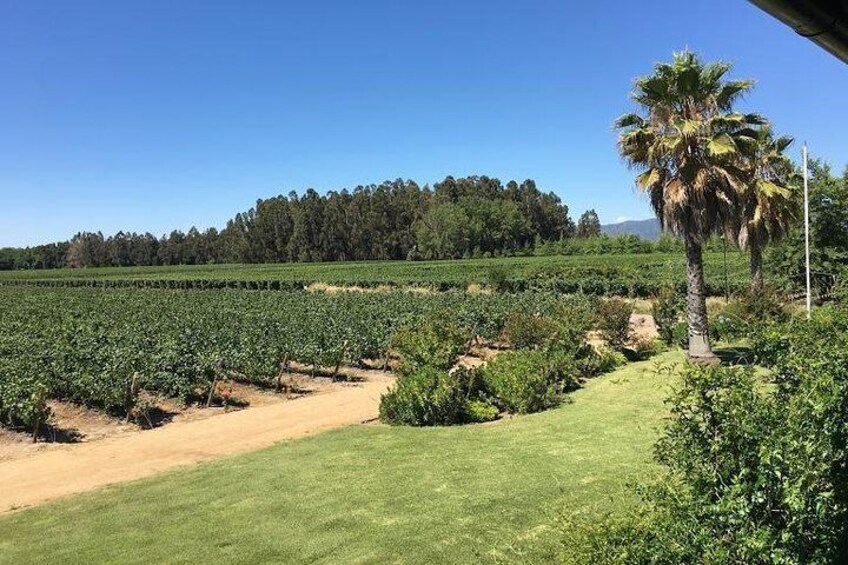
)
(769, 204)
(588, 225)
(687, 142)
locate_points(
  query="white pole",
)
(807, 228)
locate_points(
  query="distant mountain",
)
(646, 229)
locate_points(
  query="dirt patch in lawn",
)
(643, 326)
(108, 450)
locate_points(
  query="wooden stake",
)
(341, 358)
(133, 391)
(212, 390)
(36, 426)
(388, 354)
(283, 366)
(289, 387)
(471, 341)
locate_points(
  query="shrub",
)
(839, 293)
(528, 331)
(436, 343)
(753, 473)
(668, 308)
(601, 360)
(744, 316)
(574, 318)
(530, 381)
(480, 411)
(563, 327)
(22, 402)
(644, 348)
(612, 317)
(497, 277)
(427, 397)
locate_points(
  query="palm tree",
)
(687, 142)
(769, 203)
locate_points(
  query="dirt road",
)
(77, 468)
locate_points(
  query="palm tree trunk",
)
(756, 267)
(696, 304)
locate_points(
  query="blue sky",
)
(149, 116)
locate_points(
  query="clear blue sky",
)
(153, 115)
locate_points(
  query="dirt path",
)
(76, 468)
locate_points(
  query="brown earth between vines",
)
(50, 471)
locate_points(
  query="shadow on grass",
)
(735, 355)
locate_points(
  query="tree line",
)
(473, 216)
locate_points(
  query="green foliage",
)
(644, 348)
(530, 381)
(573, 316)
(747, 313)
(500, 482)
(529, 331)
(632, 274)
(480, 411)
(839, 293)
(612, 317)
(22, 399)
(828, 234)
(588, 225)
(85, 344)
(601, 360)
(668, 308)
(434, 343)
(755, 472)
(430, 397)
(564, 326)
(497, 277)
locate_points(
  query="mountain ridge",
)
(646, 229)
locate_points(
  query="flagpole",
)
(807, 228)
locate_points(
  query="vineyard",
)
(625, 275)
(103, 347)
(113, 339)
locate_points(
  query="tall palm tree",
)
(770, 203)
(687, 142)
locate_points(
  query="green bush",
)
(436, 343)
(497, 277)
(427, 397)
(530, 381)
(756, 466)
(529, 331)
(480, 411)
(839, 292)
(612, 317)
(644, 348)
(743, 316)
(680, 334)
(668, 308)
(601, 360)
(574, 317)
(22, 402)
(563, 326)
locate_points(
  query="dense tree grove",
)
(465, 217)
(828, 233)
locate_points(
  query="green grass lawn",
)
(371, 494)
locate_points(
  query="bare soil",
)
(643, 326)
(93, 449)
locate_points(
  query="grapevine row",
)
(97, 346)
